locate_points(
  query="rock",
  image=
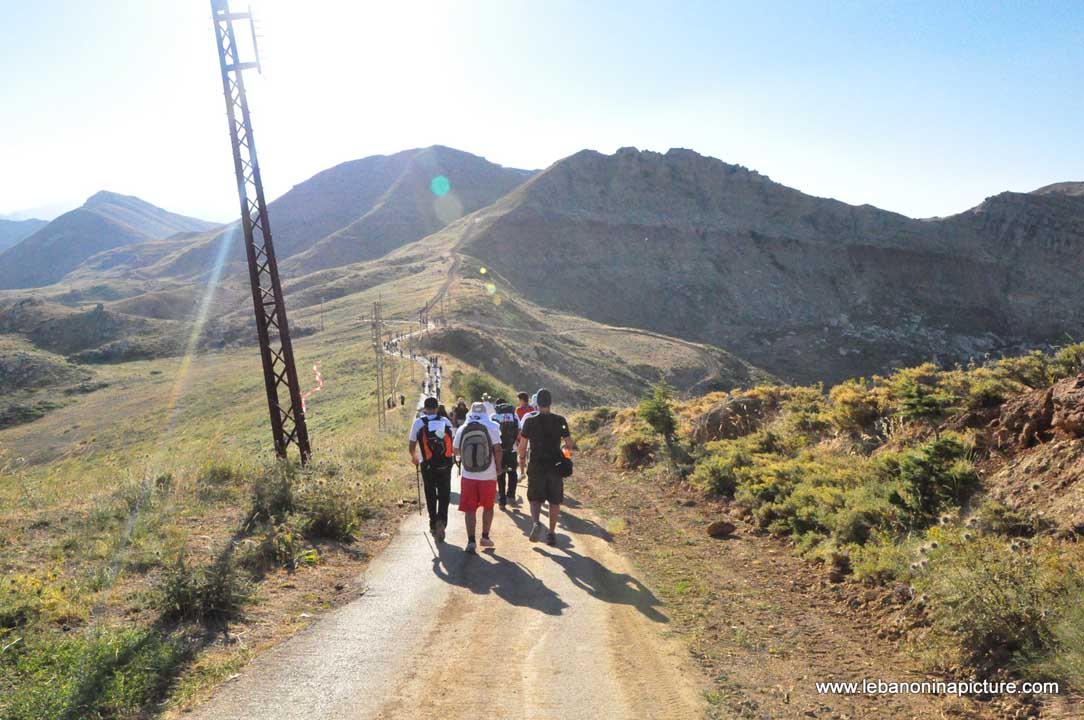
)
(688, 502)
(730, 419)
(1067, 399)
(721, 529)
(1025, 419)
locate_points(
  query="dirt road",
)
(523, 631)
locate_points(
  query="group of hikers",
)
(489, 441)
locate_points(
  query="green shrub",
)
(204, 592)
(990, 602)
(273, 493)
(657, 412)
(854, 407)
(1069, 360)
(281, 545)
(329, 509)
(996, 517)
(1034, 370)
(932, 477)
(473, 385)
(717, 471)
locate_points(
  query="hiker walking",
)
(542, 433)
(402, 399)
(524, 408)
(506, 420)
(432, 436)
(459, 413)
(478, 445)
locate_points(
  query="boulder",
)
(730, 419)
(1024, 419)
(721, 529)
(1067, 399)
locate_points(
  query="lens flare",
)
(491, 288)
(482, 271)
(440, 185)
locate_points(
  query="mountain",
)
(807, 288)
(12, 231)
(105, 221)
(358, 210)
(1072, 189)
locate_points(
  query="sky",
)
(924, 108)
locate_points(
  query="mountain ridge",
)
(105, 221)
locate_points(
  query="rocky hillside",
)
(12, 231)
(105, 221)
(805, 287)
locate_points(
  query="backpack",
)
(436, 448)
(509, 427)
(476, 448)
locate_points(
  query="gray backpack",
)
(476, 448)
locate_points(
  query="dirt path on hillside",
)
(523, 631)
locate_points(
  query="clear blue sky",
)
(920, 107)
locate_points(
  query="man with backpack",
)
(543, 432)
(524, 407)
(506, 420)
(478, 445)
(431, 437)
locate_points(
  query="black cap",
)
(431, 403)
(544, 397)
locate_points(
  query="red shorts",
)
(474, 494)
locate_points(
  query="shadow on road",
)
(572, 524)
(599, 581)
(489, 572)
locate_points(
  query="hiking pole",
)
(418, 476)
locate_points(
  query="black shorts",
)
(545, 485)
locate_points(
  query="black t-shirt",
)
(545, 431)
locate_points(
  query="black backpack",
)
(436, 446)
(509, 427)
(475, 448)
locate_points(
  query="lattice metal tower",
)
(273, 331)
(378, 350)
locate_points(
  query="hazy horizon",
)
(917, 108)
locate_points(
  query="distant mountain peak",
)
(103, 197)
(1072, 189)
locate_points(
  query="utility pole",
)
(378, 349)
(321, 313)
(272, 328)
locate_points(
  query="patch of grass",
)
(97, 674)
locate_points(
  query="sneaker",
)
(470, 547)
(486, 542)
(438, 531)
(536, 532)
(551, 539)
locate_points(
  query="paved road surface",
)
(526, 631)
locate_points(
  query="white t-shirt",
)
(437, 424)
(494, 430)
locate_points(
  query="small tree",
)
(656, 410)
